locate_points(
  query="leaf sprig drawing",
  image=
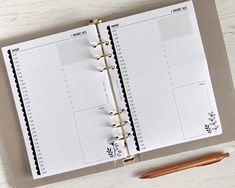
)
(208, 129)
(114, 150)
(212, 125)
(110, 152)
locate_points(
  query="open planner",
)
(111, 90)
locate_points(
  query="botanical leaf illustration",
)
(110, 152)
(113, 150)
(211, 114)
(111, 141)
(208, 129)
(215, 128)
(212, 125)
(211, 119)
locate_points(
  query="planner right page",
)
(163, 77)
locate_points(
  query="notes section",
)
(193, 108)
(97, 135)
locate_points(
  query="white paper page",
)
(66, 102)
(164, 73)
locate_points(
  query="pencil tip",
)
(226, 154)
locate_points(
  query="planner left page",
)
(62, 102)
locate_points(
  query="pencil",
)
(185, 165)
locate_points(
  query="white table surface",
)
(21, 17)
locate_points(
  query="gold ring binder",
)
(106, 68)
(120, 123)
(100, 43)
(116, 113)
(117, 125)
(128, 158)
(122, 137)
(103, 55)
(95, 21)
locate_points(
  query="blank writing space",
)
(193, 107)
(94, 132)
(175, 26)
(74, 51)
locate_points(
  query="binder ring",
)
(100, 43)
(103, 56)
(95, 21)
(116, 113)
(106, 68)
(122, 137)
(128, 158)
(117, 125)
